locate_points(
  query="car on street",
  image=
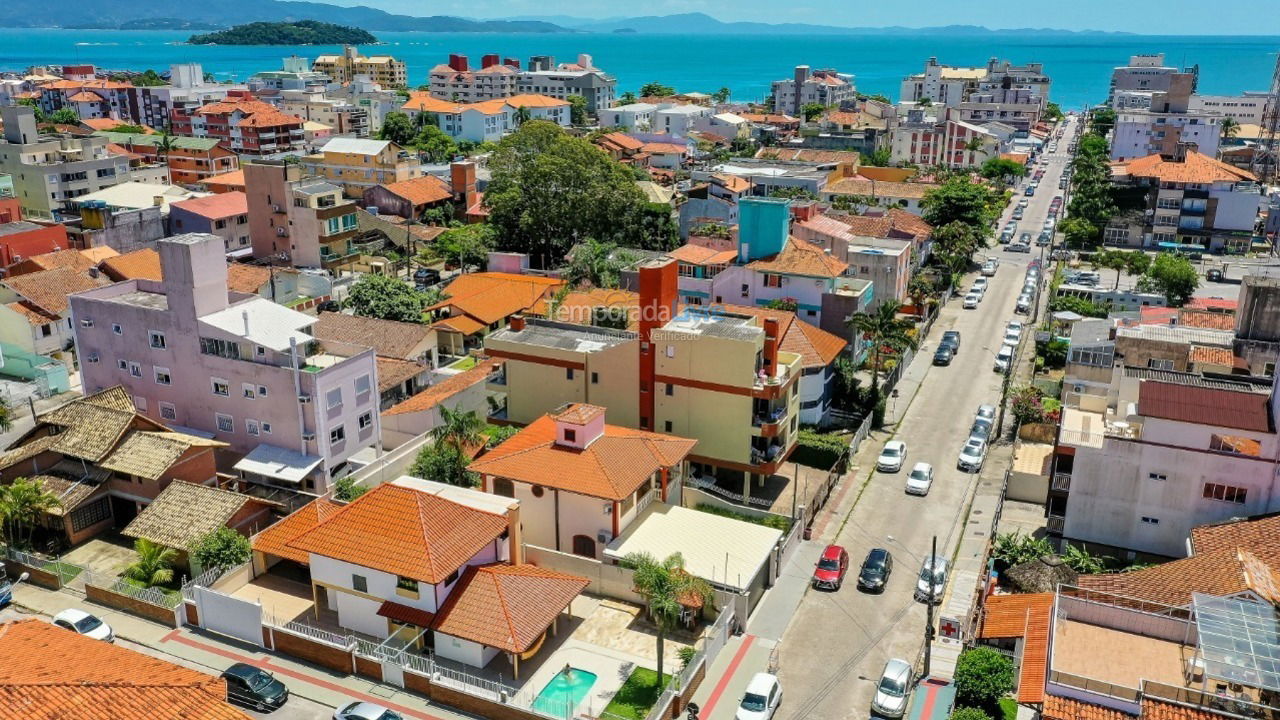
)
(1011, 226)
(952, 338)
(1004, 359)
(943, 355)
(1022, 203)
(892, 456)
(1031, 190)
(1023, 306)
(254, 687)
(986, 411)
(893, 689)
(424, 278)
(1214, 275)
(972, 455)
(1017, 213)
(971, 300)
(920, 479)
(875, 571)
(832, 565)
(760, 702)
(82, 623)
(989, 268)
(1006, 237)
(1019, 247)
(364, 711)
(1025, 238)
(1062, 184)
(981, 429)
(932, 580)
(1014, 327)
(1045, 238)
(980, 284)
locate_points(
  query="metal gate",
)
(240, 619)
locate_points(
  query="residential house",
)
(185, 512)
(713, 201)
(381, 69)
(1257, 328)
(725, 125)
(678, 120)
(406, 352)
(924, 141)
(242, 124)
(225, 215)
(83, 164)
(141, 264)
(304, 220)
(35, 315)
(572, 453)
(632, 116)
(905, 195)
(65, 672)
(884, 250)
(540, 107)
(225, 182)
(1173, 347)
(1167, 124)
(420, 413)
(189, 160)
(663, 155)
(105, 461)
(827, 88)
(295, 73)
(242, 369)
(150, 106)
(409, 199)
(20, 239)
(479, 122)
(356, 164)
(340, 116)
(123, 217)
(478, 303)
(457, 82)
(544, 76)
(499, 79)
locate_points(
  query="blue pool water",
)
(561, 696)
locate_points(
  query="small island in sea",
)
(302, 32)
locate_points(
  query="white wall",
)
(1235, 210)
(361, 614)
(463, 651)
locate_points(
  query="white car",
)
(920, 479)
(932, 579)
(892, 456)
(972, 455)
(1014, 326)
(980, 284)
(762, 698)
(986, 411)
(989, 268)
(893, 689)
(1004, 359)
(1024, 305)
(365, 711)
(971, 300)
(1011, 337)
(82, 623)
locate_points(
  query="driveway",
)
(108, 554)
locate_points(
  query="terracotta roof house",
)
(50, 673)
(466, 391)
(905, 195)
(409, 198)
(20, 239)
(413, 556)
(242, 124)
(35, 314)
(93, 449)
(561, 466)
(140, 264)
(477, 302)
(185, 512)
(406, 352)
(1024, 620)
(801, 258)
(70, 259)
(223, 182)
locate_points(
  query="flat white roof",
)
(262, 322)
(718, 549)
(357, 146)
(487, 502)
(635, 107)
(276, 462)
(136, 195)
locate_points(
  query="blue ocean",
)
(1080, 65)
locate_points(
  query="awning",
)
(241, 253)
(405, 615)
(932, 700)
(278, 463)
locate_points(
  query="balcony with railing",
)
(1055, 524)
(1081, 428)
(1061, 482)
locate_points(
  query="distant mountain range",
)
(687, 23)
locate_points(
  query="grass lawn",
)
(465, 363)
(159, 588)
(1009, 708)
(637, 695)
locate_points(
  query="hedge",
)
(818, 450)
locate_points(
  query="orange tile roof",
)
(422, 191)
(53, 673)
(800, 257)
(1061, 708)
(768, 118)
(275, 539)
(535, 101)
(622, 140)
(98, 254)
(218, 206)
(1157, 710)
(732, 183)
(32, 314)
(85, 96)
(405, 614)
(139, 264)
(579, 306)
(1216, 572)
(507, 607)
(48, 289)
(404, 532)
(810, 155)
(612, 467)
(225, 182)
(441, 391)
(70, 259)
(1257, 535)
(1006, 616)
(1196, 168)
(1211, 303)
(815, 346)
(492, 296)
(579, 414)
(460, 324)
(702, 255)
(1204, 355)
(389, 338)
(661, 148)
(423, 101)
(393, 372)
(1206, 319)
(253, 113)
(109, 124)
(878, 188)
(245, 278)
(1035, 655)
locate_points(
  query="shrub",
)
(969, 713)
(223, 547)
(777, 522)
(818, 450)
(982, 677)
(347, 489)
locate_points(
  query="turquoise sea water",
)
(1080, 65)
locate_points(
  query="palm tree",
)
(883, 329)
(919, 290)
(461, 429)
(164, 146)
(666, 588)
(1230, 127)
(154, 565)
(22, 504)
(523, 115)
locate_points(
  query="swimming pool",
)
(566, 690)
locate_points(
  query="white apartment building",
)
(1166, 125)
(678, 120)
(1245, 109)
(949, 85)
(1143, 74)
(48, 170)
(635, 116)
(822, 87)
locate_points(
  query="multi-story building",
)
(244, 370)
(295, 73)
(225, 215)
(92, 97)
(1019, 107)
(344, 117)
(921, 140)
(457, 82)
(634, 116)
(951, 85)
(1166, 124)
(490, 120)
(1246, 108)
(189, 160)
(565, 80)
(369, 96)
(678, 120)
(50, 169)
(382, 69)
(1192, 199)
(498, 79)
(356, 165)
(1169, 455)
(826, 87)
(241, 123)
(1144, 74)
(303, 220)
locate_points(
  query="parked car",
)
(952, 338)
(932, 580)
(972, 455)
(1019, 247)
(980, 283)
(760, 702)
(424, 278)
(986, 411)
(1023, 305)
(920, 479)
(989, 268)
(1031, 190)
(1214, 275)
(832, 565)
(1004, 359)
(1025, 238)
(1045, 238)
(1011, 226)
(364, 711)
(1006, 237)
(943, 355)
(329, 306)
(875, 571)
(1014, 327)
(1011, 337)
(981, 429)
(254, 687)
(82, 623)
(1017, 213)
(893, 689)
(971, 300)
(892, 456)
(6, 586)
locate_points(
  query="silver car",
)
(893, 689)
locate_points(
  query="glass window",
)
(333, 398)
(162, 376)
(337, 435)
(168, 411)
(359, 583)
(226, 423)
(363, 385)
(220, 387)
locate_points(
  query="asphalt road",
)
(836, 645)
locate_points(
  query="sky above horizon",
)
(1171, 17)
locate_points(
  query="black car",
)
(254, 687)
(1214, 276)
(874, 574)
(329, 306)
(424, 278)
(952, 338)
(943, 355)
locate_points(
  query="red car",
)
(831, 568)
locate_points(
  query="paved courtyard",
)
(107, 554)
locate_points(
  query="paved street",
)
(837, 643)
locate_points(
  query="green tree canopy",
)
(1102, 120)
(223, 547)
(577, 110)
(999, 168)
(626, 98)
(596, 263)
(1052, 112)
(968, 713)
(398, 128)
(1173, 276)
(443, 462)
(347, 489)
(811, 111)
(883, 330)
(23, 503)
(655, 89)
(434, 143)
(386, 297)
(663, 584)
(722, 95)
(959, 199)
(466, 246)
(880, 157)
(983, 675)
(154, 564)
(64, 116)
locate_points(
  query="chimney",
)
(462, 181)
(658, 284)
(458, 62)
(801, 75)
(516, 323)
(488, 61)
(771, 340)
(515, 536)
(512, 62)
(578, 425)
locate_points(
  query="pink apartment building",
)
(234, 366)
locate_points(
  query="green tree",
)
(1014, 548)
(1082, 561)
(164, 146)
(148, 78)
(664, 584)
(1173, 276)
(444, 463)
(1102, 121)
(386, 297)
(577, 110)
(959, 199)
(64, 116)
(722, 95)
(154, 565)
(223, 547)
(880, 157)
(999, 168)
(1111, 260)
(348, 489)
(811, 111)
(599, 264)
(883, 330)
(467, 246)
(1230, 127)
(968, 713)
(129, 129)
(879, 97)
(1025, 403)
(1052, 112)
(31, 103)
(626, 98)
(398, 128)
(654, 89)
(1077, 232)
(1137, 263)
(462, 429)
(6, 416)
(925, 102)
(434, 143)
(793, 193)
(983, 675)
(550, 191)
(523, 115)
(23, 504)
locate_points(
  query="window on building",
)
(115, 328)
(773, 281)
(366, 421)
(262, 391)
(135, 369)
(666, 426)
(570, 435)
(266, 428)
(453, 578)
(226, 423)
(1160, 477)
(504, 487)
(1150, 520)
(595, 378)
(221, 387)
(407, 584)
(220, 348)
(363, 385)
(168, 411)
(140, 403)
(1159, 364)
(251, 427)
(333, 398)
(1225, 493)
(91, 514)
(568, 373)
(359, 583)
(670, 389)
(162, 376)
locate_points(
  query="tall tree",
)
(165, 145)
(597, 263)
(386, 297)
(1102, 121)
(883, 329)
(466, 246)
(1230, 127)
(666, 588)
(722, 95)
(398, 128)
(654, 89)
(1173, 276)
(459, 428)
(577, 110)
(959, 199)
(23, 503)
(434, 143)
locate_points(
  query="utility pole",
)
(928, 623)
